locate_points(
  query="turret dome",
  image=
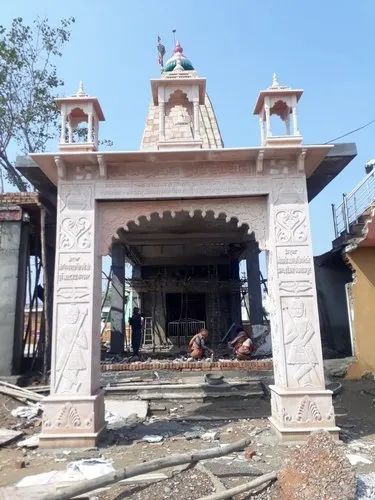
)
(178, 61)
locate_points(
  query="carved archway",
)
(249, 212)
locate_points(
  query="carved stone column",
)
(74, 411)
(299, 401)
(118, 298)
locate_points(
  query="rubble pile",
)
(318, 470)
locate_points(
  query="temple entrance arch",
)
(186, 263)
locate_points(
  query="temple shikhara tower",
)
(185, 211)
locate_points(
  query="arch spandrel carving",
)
(250, 212)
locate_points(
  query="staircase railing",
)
(354, 204)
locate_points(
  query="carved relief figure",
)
(301, 357)
(71, 347)
(179, 124)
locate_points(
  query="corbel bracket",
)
(301, 161)
(61, 167)
(102, 166)
(260, 157)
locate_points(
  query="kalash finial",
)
(178, 48)
(276, 84)
(81, 91)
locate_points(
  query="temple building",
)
(185, 211)
(186, 269)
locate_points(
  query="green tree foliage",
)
(28, 85)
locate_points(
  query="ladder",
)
(148, 336)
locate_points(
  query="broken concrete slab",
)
(30, 442)
(210, 436)
(357, 459)
(126, 407)
(7, 436)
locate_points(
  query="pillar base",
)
(72, 421)
(297, 413)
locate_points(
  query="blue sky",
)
(326, 48)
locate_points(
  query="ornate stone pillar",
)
(295, 121)
(268, 121)
(74, 411)
(89, 127)
(63, 128)
(299, 401)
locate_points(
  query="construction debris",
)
(357, 459)
(152, 438)
(259, 481)
(136, 470)
(210, 436)
(124, 413)
(319, 469)
(28, 412)
(7, 436)
(366, 486)
(31, 442)
(19, 393)
(80, 470)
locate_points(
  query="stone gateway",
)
(183, 174)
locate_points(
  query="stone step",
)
(190, 391)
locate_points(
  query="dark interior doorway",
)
(185, 305)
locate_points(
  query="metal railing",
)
(354, 204)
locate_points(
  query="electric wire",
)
(349, 133)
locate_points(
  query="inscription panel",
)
(73, 268)
(182, 188)
(294, 262)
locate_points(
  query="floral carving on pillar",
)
(291, 226)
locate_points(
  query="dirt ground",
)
(355, 415)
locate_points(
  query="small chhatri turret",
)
(282, 101)
(80, 117)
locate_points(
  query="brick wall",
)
(252, 365)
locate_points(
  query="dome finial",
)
(178, 48)
(275, 82)
(81, 91)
